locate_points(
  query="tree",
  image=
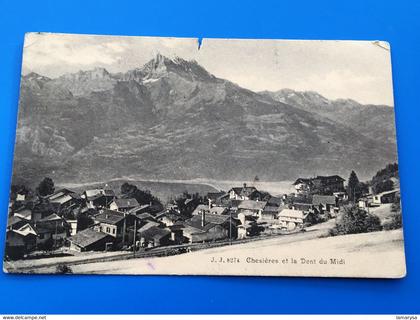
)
(382, 186)
(195, 199)
(381, 181)
(46, 187)
(355, 220)
(353, 187)
(142, 196)
(395, 219)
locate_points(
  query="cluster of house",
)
(370, 200)
(116, 223)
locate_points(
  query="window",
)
(113, 230)
(108, 230)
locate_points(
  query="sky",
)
(359, 70)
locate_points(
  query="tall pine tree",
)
(353, 187)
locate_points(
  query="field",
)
(379, 254)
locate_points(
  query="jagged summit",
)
(35, 76)
(161, 65)
(93, 74)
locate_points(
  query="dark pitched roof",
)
(301, 206)
(140, 208)
(244, 191)
(270, 209)
(109, 216)
(292, 213)
(148, 225)
(252, 205)
(87, 237)
(172, 216)
(300, 199)
(51, 218)
(320, 199)
(320, 179)
(210, 220)
(126, 203)
(155, 233)
(206, 209)
(15, 221)
(145, 216)
(333, 178)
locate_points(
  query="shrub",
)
(394, 222)
(355, 220)
(62, 268)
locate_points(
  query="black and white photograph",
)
(179, 156)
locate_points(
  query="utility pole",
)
(55, 238)
(124, 227)
(230, 227)
(134, 237)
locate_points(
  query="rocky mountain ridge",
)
(171, 118)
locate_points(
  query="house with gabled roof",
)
(209, 209)
(252, 208)
(64, 199)
(144, 208)
(210, 227)
(20, 240)
(326, 185)
(24, 213)
(15, 222)
(303, 186)
(325, 203)
(98, 198)
(91, 240)
(291, 219)
(269, 214)
(169, 218)
(245, 193)
(154, 237)
(52, 230)
(145, 216)
(123, 205)
(111, 222)
(386, 196)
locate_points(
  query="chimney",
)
(203, 218)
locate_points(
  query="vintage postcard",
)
(142, 155)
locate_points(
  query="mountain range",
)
(172, 119)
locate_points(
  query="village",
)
(99, 220)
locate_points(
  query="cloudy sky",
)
(359, 70)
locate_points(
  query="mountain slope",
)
(374, 121)
(173, 119)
